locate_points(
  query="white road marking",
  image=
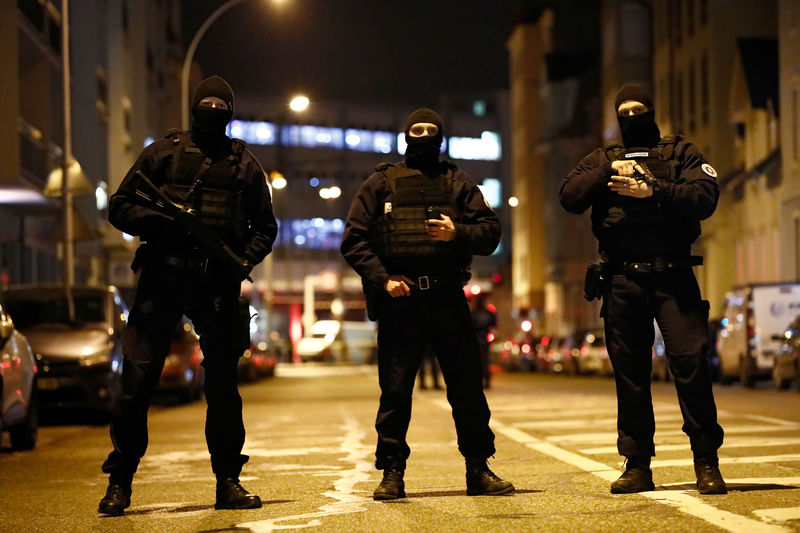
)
(779, 514)
(771, 420)
(680, 500)
(319, 371)
(582, 423)
(611, 437)
(346, 498)
(755, 459)
(788, 481)
(735, 442)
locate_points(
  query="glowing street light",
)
(330, 193)
(299, 103)
(513, 201)
(277, 180)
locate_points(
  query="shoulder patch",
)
(708, 169)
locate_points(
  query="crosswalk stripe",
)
(740, 442)
(779, 514)
(610, 437)
(730, 460)
(680, 500)
(580, 423)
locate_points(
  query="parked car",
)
(256, 362)
(561, 355)
(788, 357)
(339, 341)
(183, 370)
(18, 410)
(755, 315)
(79, 357)
(518, 353)
(593, 358)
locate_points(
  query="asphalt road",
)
(311, 440)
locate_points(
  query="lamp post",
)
(187, 62)
(298, 104)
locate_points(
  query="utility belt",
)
(428, 282)
(188, 261)
(657, 264)
(598, 275)
(195, 264)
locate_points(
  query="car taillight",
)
(490, 337)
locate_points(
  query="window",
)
(796, 123)
(679, 103)
(691, 98)
(635, 35)
(705, 75)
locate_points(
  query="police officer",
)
(648, 196)
(410, 234)
(221, 184)
(483, 320)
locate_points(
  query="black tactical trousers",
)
(438, 317)
(162, 296)
(673, 299)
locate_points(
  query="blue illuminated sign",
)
(486, 147)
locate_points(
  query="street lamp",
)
(299, 103)
(187, 62)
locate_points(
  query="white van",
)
(755, 317)
(341, 342)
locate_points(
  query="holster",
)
(595, 282)
(143, 253)
(371, 298)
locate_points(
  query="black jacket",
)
(130, 214)
(477, 232)
(688, 196)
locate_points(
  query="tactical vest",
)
(207, 186)
(400, 230)
(613, 214)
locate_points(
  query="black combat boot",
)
(116, 500)
(392, 485)
(482, 481)
(709, 478)
(637, 477)
(231, 495)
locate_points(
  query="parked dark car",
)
(183, 371)
(256, 362)
(79, 357)
(18, 409)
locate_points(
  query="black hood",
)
(638, 131)
(208, 124)
(422, 153)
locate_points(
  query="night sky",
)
(371, 51)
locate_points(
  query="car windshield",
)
(32, 310)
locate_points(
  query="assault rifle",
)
(208, 241)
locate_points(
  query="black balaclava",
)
(422, 153)
(208, 124)
(637, 130)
